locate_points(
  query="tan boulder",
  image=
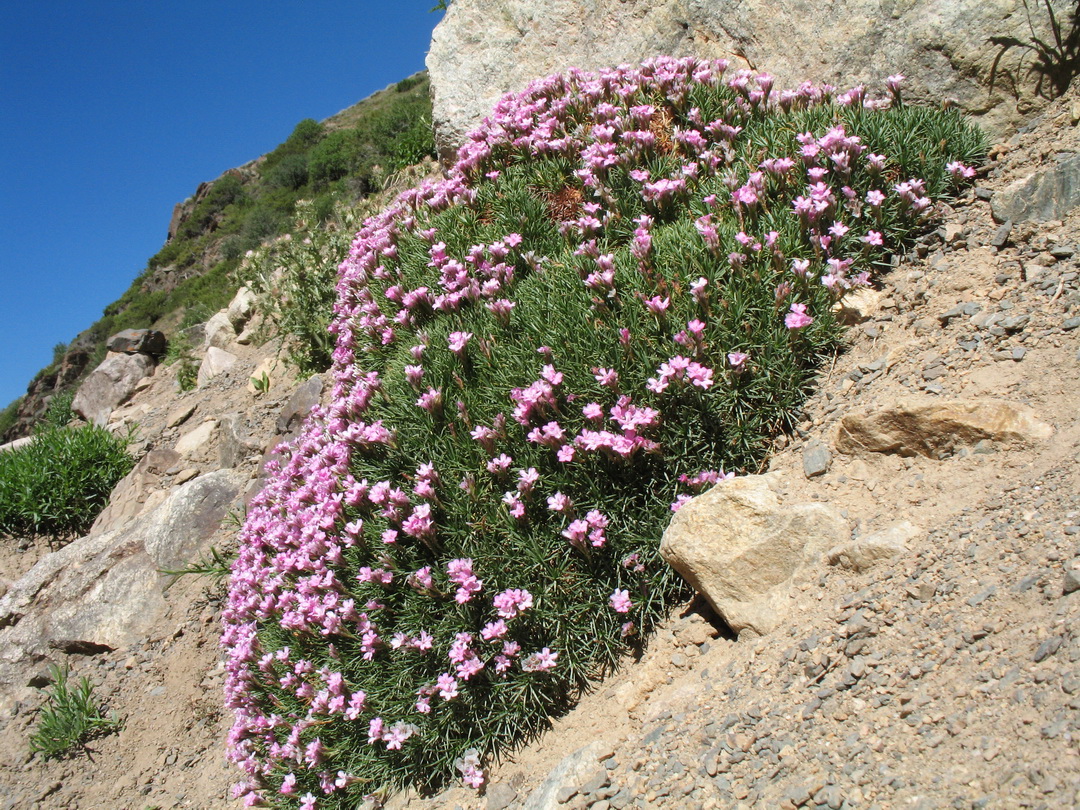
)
(740, 548)
(935, 428)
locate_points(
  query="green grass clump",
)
(70, 718)
(619, 295)
(58, 483)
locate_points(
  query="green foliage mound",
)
(58, 483)
(621, 292)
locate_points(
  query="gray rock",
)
(1002, 234)
(740, 548)
(1071, 581)
(236, 445)
(296, 410)
(484, 48)
(500, 796)
(569, 773)
(1015, 323)
(195, 441)
(1045, 195)
(240, 309)
(218, 332)
(816, 459)
(104, 591)
(138, 491)
(216, 362)
(110, 385)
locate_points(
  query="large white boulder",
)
(946, 48)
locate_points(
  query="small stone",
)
(1018, 353)
(500, 796)
(1062, 251)
(179, 416)
(186, 475)
(1071, 581)
(1070, 323)
(1048, 648)
(1014, 323)
(983, 193)
(816, 459)
(1001, 235)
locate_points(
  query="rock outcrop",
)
(105, 590)
(954, 50)
(935, 429)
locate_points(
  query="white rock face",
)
(864, 552)
(740, 548)
(484, 48)
(241, 308)
(219, 331)
(109, 385)
(193, 442)
(216, 361)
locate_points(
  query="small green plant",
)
(187, 368)
(59, 412)
(9, 415)
(214, 564)
(71, 716)
(261, 383)
(58, 483)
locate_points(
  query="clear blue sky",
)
(111, 112)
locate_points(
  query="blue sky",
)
(112, 112)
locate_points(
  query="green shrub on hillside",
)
(58, 483)
(621, 292)
(9, 415)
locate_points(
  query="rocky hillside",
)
(931, 661)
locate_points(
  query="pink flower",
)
(737, 359)
(458, 341)
(620, 601)
(447, 685)
(559, 503)
(512, 602)
(797, 317)
(540, 661)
